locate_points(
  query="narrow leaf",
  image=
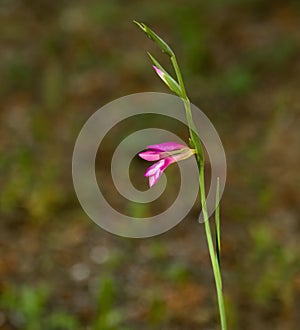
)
(217, 220)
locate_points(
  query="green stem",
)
(195, 141)
(211, 249)
(217, 220)
(187, 105)
(179, 75)
(200, 160)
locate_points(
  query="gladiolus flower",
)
(165, 154)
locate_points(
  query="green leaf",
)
(217, 220)
(153, 36)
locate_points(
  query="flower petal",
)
(151, 155)
(155, 171)
(155, 168)
(153, 180)
(167, 146)
(184, 154)
(159, 72)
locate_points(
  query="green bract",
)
(166, 77)
(152, 35)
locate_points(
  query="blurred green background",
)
(62, 60)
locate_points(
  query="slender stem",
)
(217, 220)
(179, 75)
(187, 105)
(211, 249)
(200, 161)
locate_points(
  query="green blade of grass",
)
(217, 221)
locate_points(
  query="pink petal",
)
(156, 167)
(167, 146)
(153, 179)
(159, 72)
(155, 171)
(151, 155)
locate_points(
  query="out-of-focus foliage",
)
(27, 308)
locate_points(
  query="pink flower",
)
(159, 72)
(165, 154)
